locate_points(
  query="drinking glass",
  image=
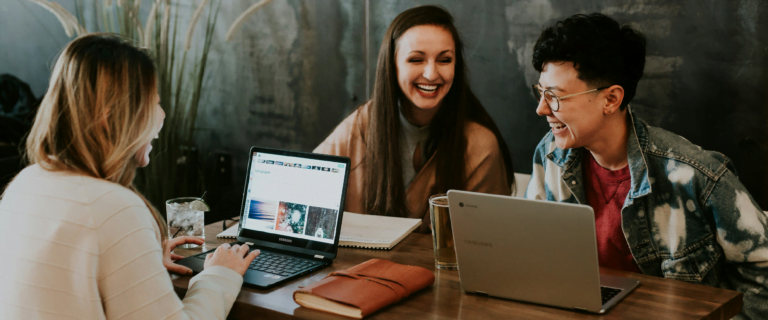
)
(442, 233)
(184, 219)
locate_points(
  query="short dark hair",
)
(603, 52)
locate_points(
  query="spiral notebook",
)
(230, 233)
(374, 232)
(363, 231)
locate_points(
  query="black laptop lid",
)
(294, 201)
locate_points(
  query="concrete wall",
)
(298, 67)
(292, 73)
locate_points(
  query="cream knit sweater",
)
(76, 247)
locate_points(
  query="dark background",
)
(297, 68)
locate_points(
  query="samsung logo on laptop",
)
(479, 243)
(285, 240)
(461, 204)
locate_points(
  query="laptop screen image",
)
(293, 200)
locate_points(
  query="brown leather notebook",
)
(364, 288)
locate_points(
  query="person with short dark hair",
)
(663, 206)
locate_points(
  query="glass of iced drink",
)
(186, 217)
(442, 233)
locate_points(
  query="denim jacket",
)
(686, 217)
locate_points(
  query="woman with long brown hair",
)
(78, 240)
(423, 132)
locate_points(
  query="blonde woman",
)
(77, 240)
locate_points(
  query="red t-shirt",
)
(606, 191)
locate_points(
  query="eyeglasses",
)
(552, 100)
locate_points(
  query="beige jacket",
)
(485, 166)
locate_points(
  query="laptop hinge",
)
(481, 292)
(580, 309)
(317, 256)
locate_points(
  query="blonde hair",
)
(98, 112)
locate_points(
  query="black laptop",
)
(291, 211)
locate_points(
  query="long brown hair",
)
(98, 112)
(384, 194)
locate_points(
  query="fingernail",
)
(189, 272)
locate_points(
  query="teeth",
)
(557, 126)
(427, 88)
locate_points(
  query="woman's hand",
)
(169, 258)
(234, 257)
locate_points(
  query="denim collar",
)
(636, 143)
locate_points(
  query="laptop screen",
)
(293, 199)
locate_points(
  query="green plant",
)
(180, 72)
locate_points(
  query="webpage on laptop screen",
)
(294, 196)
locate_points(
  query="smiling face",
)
(579, 120)
(142, 156)
(426, 65)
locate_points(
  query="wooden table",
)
(656, 298)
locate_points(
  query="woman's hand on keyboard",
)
(169, 257)
(234, 257)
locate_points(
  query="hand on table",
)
(169, 258)
(234, 257)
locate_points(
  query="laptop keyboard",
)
(277, 264)
(608, 293)
(281, 265)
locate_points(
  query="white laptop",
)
(530, 250)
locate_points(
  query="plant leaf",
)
(150, 24)
(239, 21)
(192, 23)
(50, 7)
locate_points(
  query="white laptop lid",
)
(529, 250)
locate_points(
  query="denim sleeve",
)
(742, 231)
(537, 186)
